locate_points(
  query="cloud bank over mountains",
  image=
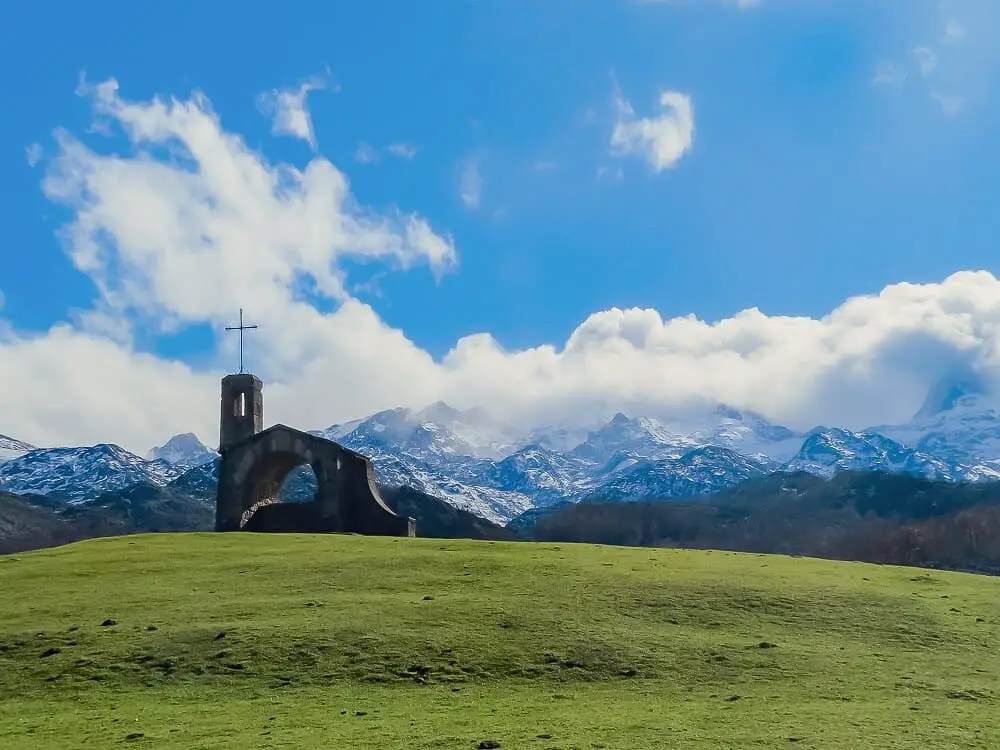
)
(192, 223)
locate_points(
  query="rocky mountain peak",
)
(185, 451)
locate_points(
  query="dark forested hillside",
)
(869, 516)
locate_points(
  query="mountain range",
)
(478, 463)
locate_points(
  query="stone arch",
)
(347, 499)
(263, 482)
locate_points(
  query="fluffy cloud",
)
(289, 111)
(192, 224)
(661, 139)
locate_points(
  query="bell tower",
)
(242, 408)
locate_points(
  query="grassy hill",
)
(211, 641)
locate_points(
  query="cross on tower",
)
(241, 328)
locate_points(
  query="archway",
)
(272, 479)
(300, 485)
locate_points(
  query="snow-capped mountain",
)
(439, 430)
(201, 480)
(827, 451)
(11, 448)
(476, 462)
(78, 474)
(643, 436)
(545, 476)
(496, 472)
(957, 423)
(698, 472)
(745, 432)
(184, 451)
(451, 478)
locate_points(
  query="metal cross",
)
(241, 328)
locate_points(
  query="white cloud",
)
(34, 154)
(471, 185)
(175, 241)
(366, 154)
(290, 112)
(402, 150)
(661, 139)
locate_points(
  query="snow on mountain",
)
(698, 472)
(959, 422)
(79, 474)
(439, 450)
(184, 451)
(11, 448)
(968, 433)
(644, 436)
(557, 438)
(670, 437)
(827, 451)
(746, 432)
(958, 391)
(201, 480)
(543, 475)
(488, 437)
(438, 430)
(453, 482)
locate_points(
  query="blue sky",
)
(837, 149)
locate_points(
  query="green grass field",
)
(346, 642)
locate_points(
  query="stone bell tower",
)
(242, 409)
